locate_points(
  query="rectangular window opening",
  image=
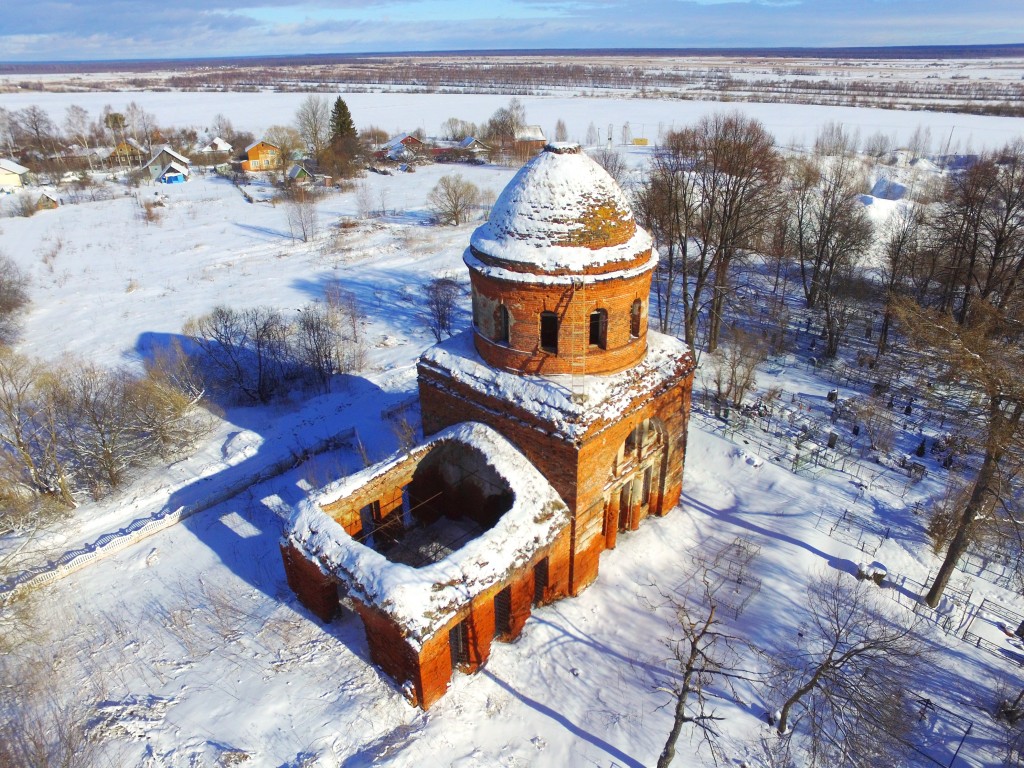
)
(503, 612)
(549, 332)
(458, 644)
(540, 581)
(598, 328)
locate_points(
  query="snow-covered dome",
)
(562, 213)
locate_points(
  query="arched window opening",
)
(501, 325)
(549, 332)
(645, 437)
(635, 313)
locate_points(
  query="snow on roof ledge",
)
(550, 398)
(421, 600)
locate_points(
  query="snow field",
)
(191, 640)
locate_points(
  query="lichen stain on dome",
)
(601, 224)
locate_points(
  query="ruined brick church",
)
(557, 423)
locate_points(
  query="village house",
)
(262, 156)
(528, 141)
(469, 149)
(216, 147)
(554, 425)
(169, 167)
(47, 202)
(127, 154)
(402, 148)
(298, 174)
(12, 175)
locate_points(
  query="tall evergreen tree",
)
(342, 127)
(343, 149)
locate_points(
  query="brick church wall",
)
(315, 589)
(526, 301)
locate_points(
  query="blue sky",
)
(111, 29)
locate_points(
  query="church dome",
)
(561, 214)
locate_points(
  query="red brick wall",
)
(315, 590)
(393, 654)
(526, 301)
(584, 476)
(444, 402)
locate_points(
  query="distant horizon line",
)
(957, 51)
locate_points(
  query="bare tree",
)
(13, 298)
(442, 293)
(31, 463)
(900, 246)
(831, 227)
(313, 119)
(34, 128)
(846, 292)
(300, 209)
(613, 162)
(456, 129)
(846, 684)
(76, 123)
(593, 136)
(878, 145)
(665, 205)
(979, 229)
(732, 367)
(7, 130)
(243, 353)
(703, 651)
(328, 339)
(737, 172)
(506, 121)
(718, 186)
(984, 353)
(317, 349)
(288, 141)
(453, 199)
(141, 124)
(561, 132)
(163, 404)
(93, 411)
(346, 321)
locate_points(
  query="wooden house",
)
(217, 146)
(167, 161)
(47, 202)
(12, 175)
(261, 156)
(127, 154)
(529, 140)
(298, 174)
(474, 146)
(402, 148)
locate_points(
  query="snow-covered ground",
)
(791, 124)
(192, 640)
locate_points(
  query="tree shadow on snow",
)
(396, 298)
(562, 720)
(276, 233)
(239, 510)
(739, 520)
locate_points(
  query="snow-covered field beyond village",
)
(195, 649)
